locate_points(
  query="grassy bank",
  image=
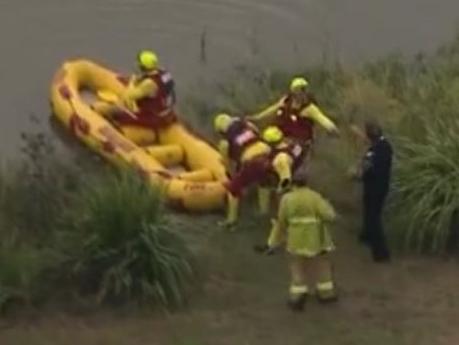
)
(79, 232)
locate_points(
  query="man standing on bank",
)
(375, 173)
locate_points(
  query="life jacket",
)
(163, 100)
(295, 150)
(156, 111)
(240, 136)
(290, 121)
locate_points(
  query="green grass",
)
(71, 229)
(21, 270)
(128, 250)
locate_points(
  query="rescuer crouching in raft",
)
(147, 103)
(296, 113)
(302, 225)
(256, 162)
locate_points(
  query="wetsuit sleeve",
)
(146, 88)
(268, 112)
(324, 209)
(223, 148)
(315, 114)
(282, 215)
(136, 91)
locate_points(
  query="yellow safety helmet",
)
(272, 135)
(222, 122)
(298, 84)
(147, 60)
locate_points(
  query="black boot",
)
(327, 298)
(381, 258)
(297, 303)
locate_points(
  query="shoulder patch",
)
(166, 77)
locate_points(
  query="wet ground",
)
(37, 36)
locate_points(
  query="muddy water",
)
(36, 36)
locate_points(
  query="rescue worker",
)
(291, 154)
(296, 113)
(241, 143)
(375, 173)
(302, 221)
(147, 103)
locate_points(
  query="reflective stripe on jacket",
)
(303, 215)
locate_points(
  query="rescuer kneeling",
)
(147, 103)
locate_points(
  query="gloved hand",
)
(335, 133)
(354, 173)
(264, 249)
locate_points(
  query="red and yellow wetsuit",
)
(242, 145)
(296, 119)
(258, 162)
(149, 98)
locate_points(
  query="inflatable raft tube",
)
(198, 188)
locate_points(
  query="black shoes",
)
(381, 259)
(297, 304)
(327, 296)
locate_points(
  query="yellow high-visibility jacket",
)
(302, 221)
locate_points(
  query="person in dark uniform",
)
(375, 173)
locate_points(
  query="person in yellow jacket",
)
(296, 113)
(147, 103)
(242, 144)
(302, 221)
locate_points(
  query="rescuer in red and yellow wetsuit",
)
(147, 103)
(296, 113)
(284, 155)
(255, 164)
(258, 160)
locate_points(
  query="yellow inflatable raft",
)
(198, 188)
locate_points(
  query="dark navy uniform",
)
(376, 174)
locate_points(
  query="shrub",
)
(125, 246)
(427, 188)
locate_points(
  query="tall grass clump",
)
(66, 226)
(426, 175)
(427, 189)
(127, 248)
